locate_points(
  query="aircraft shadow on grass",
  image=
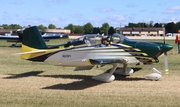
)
(23, 75)
(8, 46)
(85, 80)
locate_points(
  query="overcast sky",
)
(79, 12)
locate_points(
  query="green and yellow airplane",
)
(84, 53)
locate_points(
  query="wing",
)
(106, 61)
(45, 37)
(10, 38)
(99, 62)
(54, 36)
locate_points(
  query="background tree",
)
(130, 25)
(5, 26)
(29, 25)
(151, 23)
(11, 26)
(42, 27)
(96, 30)
(51, 26)
(135, 25)
(142, 24)
(158, 25)
(177, 27)
(104, 29)
(111, 30)
(88, 28)
(70, 27)
(170, 27)
(78, 29)
(14, 26)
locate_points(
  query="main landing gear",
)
(154, 76)
(109, 77)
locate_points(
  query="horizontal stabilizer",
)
(30, 52)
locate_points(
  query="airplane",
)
(84, 53)
(19, 37)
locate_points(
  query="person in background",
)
(177, 41)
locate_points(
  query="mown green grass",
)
(34, 84)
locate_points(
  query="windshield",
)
(119, 38)
(94, 39)
(83, 40)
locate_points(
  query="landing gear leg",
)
(154, 76)
(125, 71)
(107, 77)
(13, 45)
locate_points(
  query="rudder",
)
(32, 38)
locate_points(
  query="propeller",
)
(166, 62)
(165, 49)
(165, 57)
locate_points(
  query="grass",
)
(35, 84)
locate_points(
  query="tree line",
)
(88, 28)
(170, 27)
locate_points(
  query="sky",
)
(116, 13)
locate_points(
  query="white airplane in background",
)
(18, 39)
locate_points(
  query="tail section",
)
(33, 44)
(32, 38)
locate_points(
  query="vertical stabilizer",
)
(32, 38)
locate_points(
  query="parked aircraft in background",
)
(19, 37)
(84, 53)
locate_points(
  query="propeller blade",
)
(164, 39)
(165, 57)
(166, 62)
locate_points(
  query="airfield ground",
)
(35, 84)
